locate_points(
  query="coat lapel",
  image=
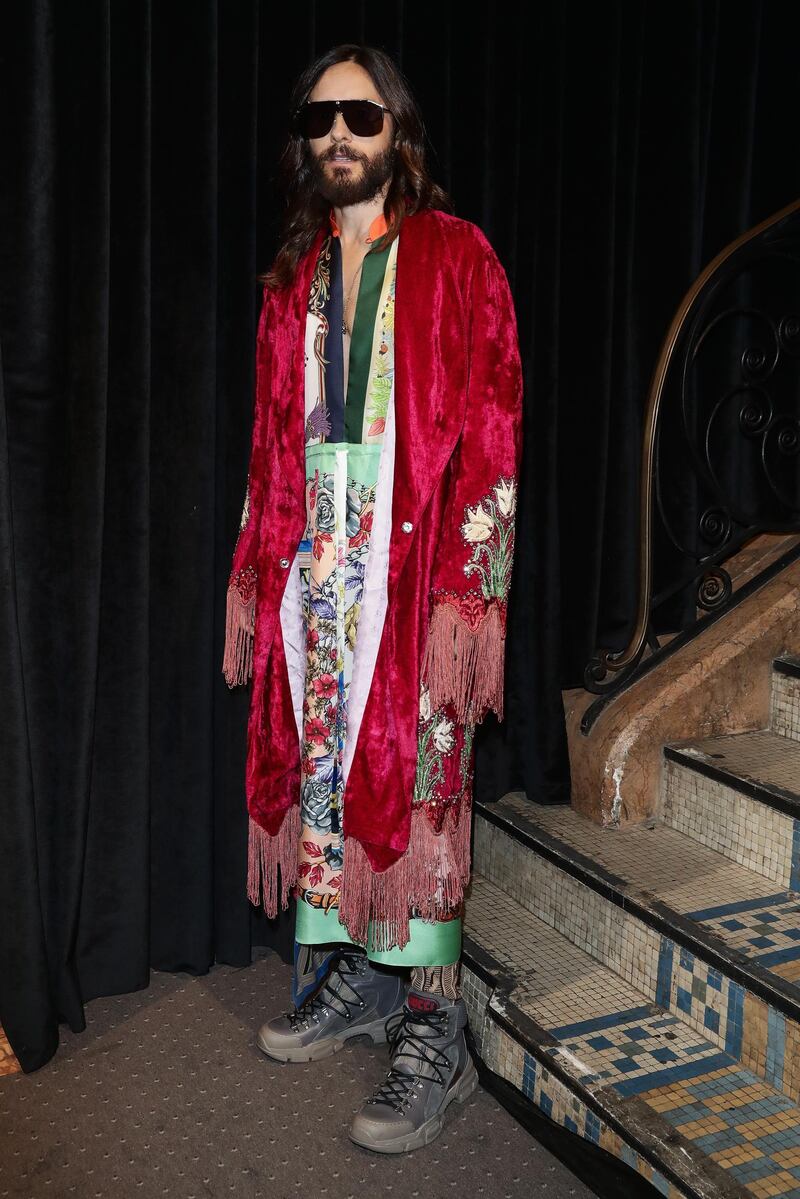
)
(430, 377)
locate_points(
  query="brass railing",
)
(742, 312)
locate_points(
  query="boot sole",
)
(429, 1131)
(316, 1051)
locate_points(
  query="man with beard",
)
(369, 585)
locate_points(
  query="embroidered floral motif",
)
(464, 654)
(246, 509)
(434, 740)
(489, 528)
(244, 583)
(443, 779)
(470, 607)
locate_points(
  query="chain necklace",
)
(346, 330)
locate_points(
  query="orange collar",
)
(376, 229)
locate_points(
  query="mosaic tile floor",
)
(766, 930)
(636, 1050)
(722, 814)
(555, 979)
(761, 756)
(631, 1047)
(747, 911)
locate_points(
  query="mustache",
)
(341, 152)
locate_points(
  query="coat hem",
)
(429, 878)
(266, 855)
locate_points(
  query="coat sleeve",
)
(237, 665)
(464, 657)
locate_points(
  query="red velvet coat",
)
(458, 413)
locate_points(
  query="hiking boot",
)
(355, 1000)
(431, 1067)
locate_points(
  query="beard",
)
(343, 187)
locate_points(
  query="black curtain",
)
(607, 152)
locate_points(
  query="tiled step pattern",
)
(645, 903)
(654, 973)
(785, 707)
(737, 905)
(605, 1061)
(738, 795)
(765, 930)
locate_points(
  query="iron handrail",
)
(606, 661)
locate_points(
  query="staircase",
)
(641, 985)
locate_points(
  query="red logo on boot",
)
(418, 1003)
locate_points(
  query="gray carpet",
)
(165, 1093)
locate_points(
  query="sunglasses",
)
(364, 118)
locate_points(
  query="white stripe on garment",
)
(376, 579)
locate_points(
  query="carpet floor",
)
(165, 1093)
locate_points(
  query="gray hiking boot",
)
(355, 1000)
(431, 1067)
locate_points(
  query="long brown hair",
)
(410, 190)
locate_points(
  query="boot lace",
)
(332, 994)
(407, 1033)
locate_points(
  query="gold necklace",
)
(345, 328)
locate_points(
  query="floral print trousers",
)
(341, 482)
(340, 498)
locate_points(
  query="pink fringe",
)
(464, 666)
(265, 854)
(237, 663)
(430, 876)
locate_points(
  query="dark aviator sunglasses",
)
(364, 118)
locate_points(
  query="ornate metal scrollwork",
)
(789, 333)
(786, 437)
(596, 670)
(755, 413)
(756, 363)
(715, 589)
(715, 526)
(721, 441)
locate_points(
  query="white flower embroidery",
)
(246, 509)
(489, 529)
(424, 703)
(443, 736)
(506, 493)
(478, 526)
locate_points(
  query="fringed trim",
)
(237, 664)
(463, 665)
(430, 876)
(265, 855)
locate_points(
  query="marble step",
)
(598, 1056)
(710, 941)
(738, 794)
(785, 698)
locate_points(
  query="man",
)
(369, 584)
